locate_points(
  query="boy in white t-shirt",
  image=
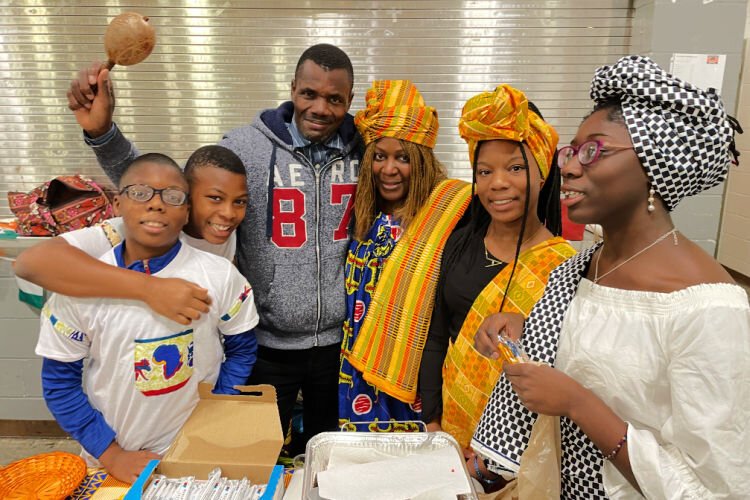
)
(218, 198)
(142, 371)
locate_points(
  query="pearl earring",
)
(651, 206)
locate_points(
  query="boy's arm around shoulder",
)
(69, 264)
(62, 267)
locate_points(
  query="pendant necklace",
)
(491, 261)
(598, 278)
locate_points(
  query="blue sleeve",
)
(63, 392)
(240, 352)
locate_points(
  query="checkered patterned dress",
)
(505, 427)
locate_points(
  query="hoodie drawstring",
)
(269, 206)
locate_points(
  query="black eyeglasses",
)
(587, 153)
(143, 193)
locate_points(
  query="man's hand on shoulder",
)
(125, 465)
(91, 98)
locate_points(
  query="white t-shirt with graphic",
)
(99, 239)
(143, 370)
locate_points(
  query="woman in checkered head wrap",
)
(404, 211)
(648, 335)
(681, 134)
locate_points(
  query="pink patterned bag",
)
(63, 204)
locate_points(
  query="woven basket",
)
(49, 476)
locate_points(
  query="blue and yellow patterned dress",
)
(358, 400)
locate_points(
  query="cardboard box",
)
(241, 434)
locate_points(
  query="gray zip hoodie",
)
(292, 243)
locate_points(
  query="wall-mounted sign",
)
(702, 70)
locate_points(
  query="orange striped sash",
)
(468, 377)
(388, 348)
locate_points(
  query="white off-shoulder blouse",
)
(676, 367)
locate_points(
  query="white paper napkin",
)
(434, 475)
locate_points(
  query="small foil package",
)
(511, 351)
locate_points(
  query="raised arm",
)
(60, 267)
(91, 98)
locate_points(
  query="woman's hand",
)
(490, 481)
(434, 426)
(508, 324)
(543, 389)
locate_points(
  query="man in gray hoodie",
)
(302, 161)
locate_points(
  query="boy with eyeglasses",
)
(142, 372)
(218, 199)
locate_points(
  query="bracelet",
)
(616, 450)
(486, 481)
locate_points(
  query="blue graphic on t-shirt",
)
(169, 354)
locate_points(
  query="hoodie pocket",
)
(291, 305)
(334, 294)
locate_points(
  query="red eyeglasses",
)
(587, 153)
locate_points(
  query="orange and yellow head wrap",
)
(505, 114)
(395, 108)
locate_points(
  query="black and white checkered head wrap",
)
(681, 134)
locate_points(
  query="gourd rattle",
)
(129, 39)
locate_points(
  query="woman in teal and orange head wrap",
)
(500, 260)
(404, 211)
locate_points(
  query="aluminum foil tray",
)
(398, 444)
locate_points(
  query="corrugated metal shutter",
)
(217, 63)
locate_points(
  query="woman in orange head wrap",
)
(500, 260)
(404, 211)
